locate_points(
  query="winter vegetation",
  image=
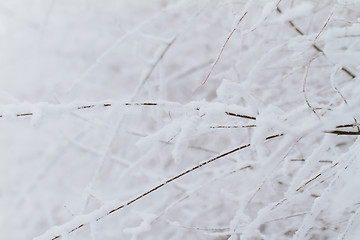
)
(180, 119)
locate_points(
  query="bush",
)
(180, 120)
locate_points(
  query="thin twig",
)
(350, 223)
(317, 176)
(28, 114)
(304, 86)
(309, 181)
(348, 72)
(357, 125)
(332, 79)
(222, 49)
(287, 217)
(166, 182)
(156, 63)
(235, 126)
(240, 116)
(346, 125)
(326, 23)
(343, 132)
(303, 160)
(342, 96)
(89, 106)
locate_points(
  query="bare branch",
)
(317, 176)
(222, 49)
(156, 63)
(240, 116)
(235, 126)
(348, 72)
(145, 104)
(326, 23)
(167, 182)
(304, 86)
(343, 132)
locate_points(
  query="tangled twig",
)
(78, 226)
(347, 71)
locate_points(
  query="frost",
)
(188, 128)
(143, 227)
(179, 120)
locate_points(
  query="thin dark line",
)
(23, 114)
(167, 182)
(343, 132)
(348, 72)
(240, 115)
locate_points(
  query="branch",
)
(348, 72)
(240, 116)
(155, 64)
(222, 49)
(326, 23)
(343, 132)
(83, 220)
(128, 104)
(304, 86)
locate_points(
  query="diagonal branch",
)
(348, 72)
(81, 221)
(222, 49)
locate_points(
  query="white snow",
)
(101, 107)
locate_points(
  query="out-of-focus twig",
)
(344, 69)
(156, 63)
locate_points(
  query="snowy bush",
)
(179, 119)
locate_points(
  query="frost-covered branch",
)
(317, 48)
(81, 221)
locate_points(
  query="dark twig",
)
(304, 86)
(227, 113)
(235, 126)
(166, 182)
(222, 49)
(343, 132)
(326, 23)
(340, 132)
(312, 179)
(346, 125)
(348, 72)
(130, 104)
(240, 116)
(156, 63)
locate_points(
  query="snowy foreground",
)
(179, 119)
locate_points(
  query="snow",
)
(297, 11)
(107, 132)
